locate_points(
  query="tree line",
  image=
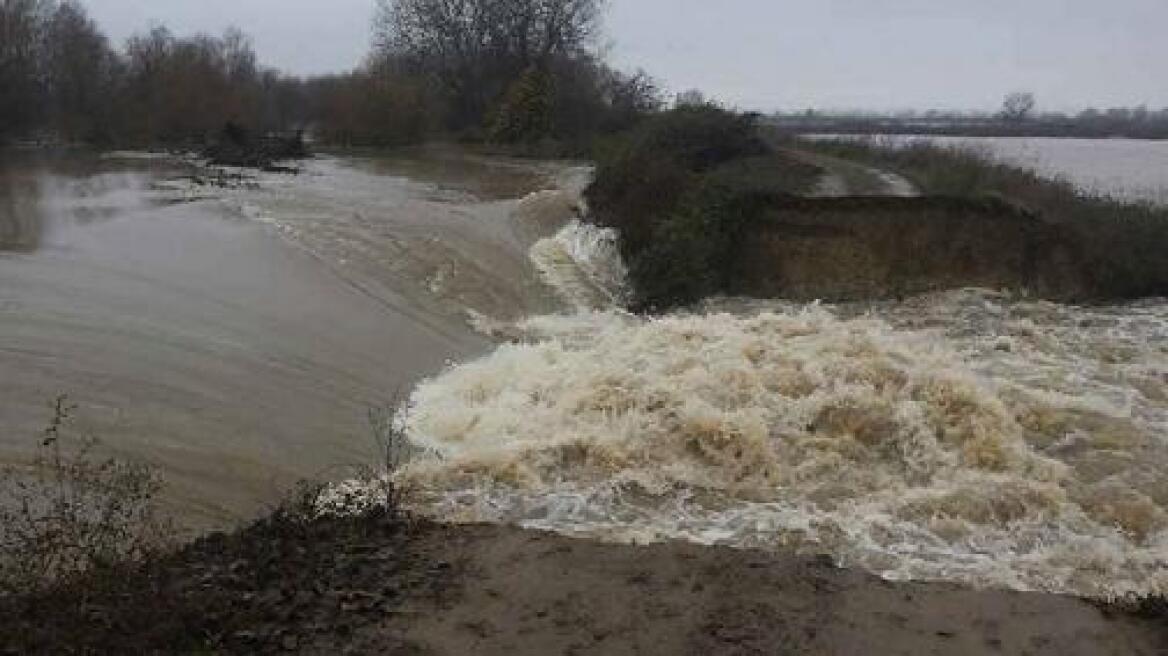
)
(63, 81)
(512, 71)
(1017, 117)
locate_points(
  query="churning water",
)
(967, 436)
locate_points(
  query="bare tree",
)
(452, 32)
(184, 89)
(691, 98)
(476, 49)
(1018, 106)
(239, 56)
(79, 73)
(21, 30)
(521, 69)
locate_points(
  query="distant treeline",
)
(510, 71)
(64, 83)
(1135, 123)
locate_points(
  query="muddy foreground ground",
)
(374, 586)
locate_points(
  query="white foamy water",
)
(966, 436)
(582, 262)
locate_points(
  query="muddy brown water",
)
(237, 337)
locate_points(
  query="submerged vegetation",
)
(1017, 118)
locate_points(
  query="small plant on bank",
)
(394, 448)
(70, 512)
(375, 486)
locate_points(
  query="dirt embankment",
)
(841, 177)
(855, 248)
(373, 586)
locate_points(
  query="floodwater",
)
(237, 337)
(1129, 169)
(966, 436)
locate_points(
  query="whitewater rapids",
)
(968, 436)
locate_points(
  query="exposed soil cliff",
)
(878, 247)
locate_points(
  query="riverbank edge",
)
(687, 193)
(380, 583)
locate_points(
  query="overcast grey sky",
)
(767, 54)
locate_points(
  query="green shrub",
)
(525, 114)
(691, 252)
(648, 169)
(681, 189)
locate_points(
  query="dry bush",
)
(394, 449)
(70, 511)
(373, 487)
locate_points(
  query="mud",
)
(371, 585)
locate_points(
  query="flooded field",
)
(1131, 169)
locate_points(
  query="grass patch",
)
(1122, 246)
(682, 189)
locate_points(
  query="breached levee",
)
(964, 436)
